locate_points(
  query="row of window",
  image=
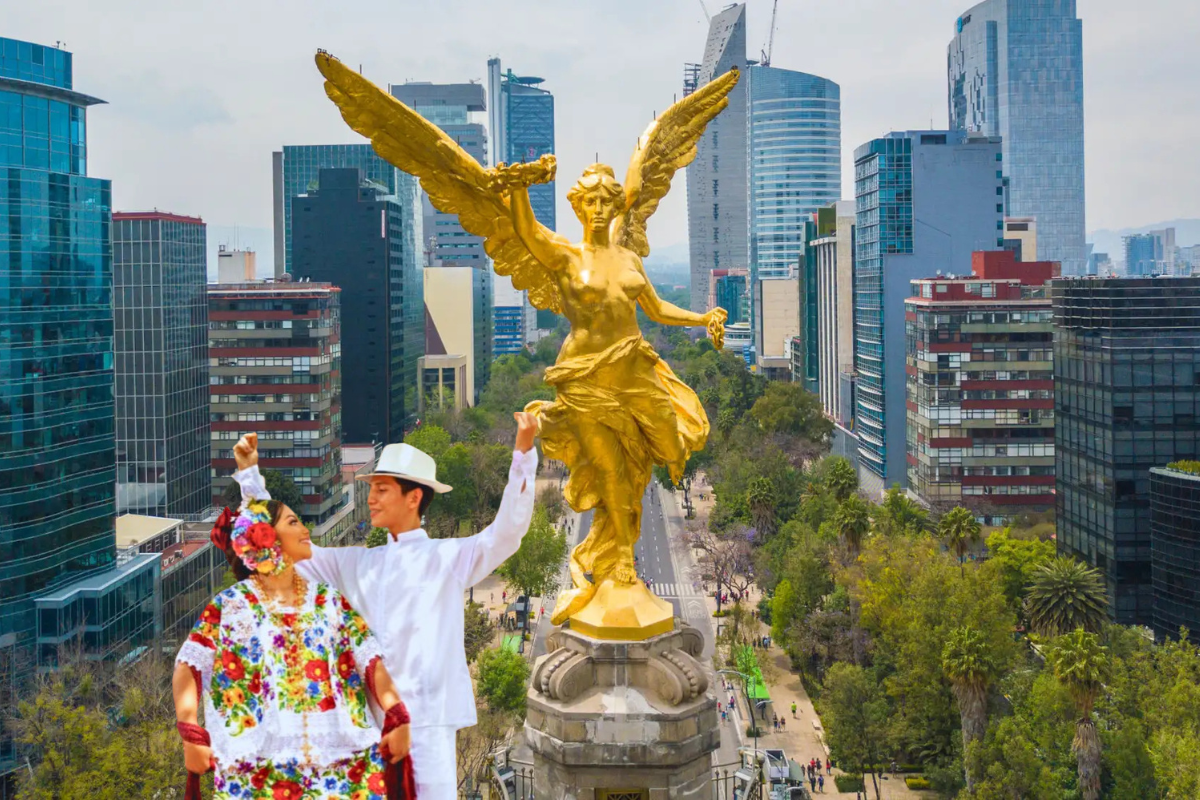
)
(263, 416)
(297, 363)
(268, 398)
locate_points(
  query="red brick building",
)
(275, 370)
(980, 364)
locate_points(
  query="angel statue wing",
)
(666, 146)
(455, 182)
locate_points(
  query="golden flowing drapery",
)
(628, 397)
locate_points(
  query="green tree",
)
(283, 489)
(970, 667)
(502, 680)
(1176, 759)
(855, 719)
(841, 479)
(899, 515)
(787, 408)
(478, 630)
(1019, 560)
(959, 529)
(536, 568)
(377, 537)
(429, 439)
(761, 497)
(1080, 663)
(852, 522)
(1064, 595)
(1010, 764)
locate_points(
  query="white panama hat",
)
(407, 463)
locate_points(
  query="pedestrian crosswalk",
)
(674, 590)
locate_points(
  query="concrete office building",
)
(1127, 399)
(454, 330)
(981, 389)
(458, 109)
(1020, 236)
(351, 233)
(1175, 547)
(835, 313)
(160, 343)
(236, 266)
(294, 171)
(1015, 70)
(276, 364)
(717, 180)
(926, 200)
(730, 289)
(777, 311)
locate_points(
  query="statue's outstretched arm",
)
(665, 313)
(514, 181)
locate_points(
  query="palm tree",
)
(760, 496)
(1064, 595)
(960, 529)
(852, 522)
(841, 479)
(1080, 662)
(970, 667)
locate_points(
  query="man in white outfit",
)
(410, 591)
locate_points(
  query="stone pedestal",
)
(607, 717)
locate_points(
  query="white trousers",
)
(434, 764)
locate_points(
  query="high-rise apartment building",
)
(276, 370)
(1175, 547)
(1150, 253)
(926, 200)
(57, 435)
(730, 289)
(717, 180)
(763, 166)
(1015, 70)
(1127, 399)
(834, 253)
(981, 388)
(294, 171)
(160, 344)
(351, 232)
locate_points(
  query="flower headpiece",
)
(255, 541)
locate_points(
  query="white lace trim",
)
(196, 655)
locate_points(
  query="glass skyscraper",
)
(160, 312)
(1126, 400)
(1015, 70)
(926, 200)
(793, 130)
(57, 443)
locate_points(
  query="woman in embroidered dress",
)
(285, 667)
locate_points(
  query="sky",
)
(201, 93)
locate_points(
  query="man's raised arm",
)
(482, 553)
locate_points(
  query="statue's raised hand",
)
(714, 321)
(504, 177)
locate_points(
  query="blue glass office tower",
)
(57, 441)
(1015, 70)
(793, 129)
(522, 122)
(925, 201)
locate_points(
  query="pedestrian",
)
(793, 709)
(821, 782)
(812, 782)
(783, 723)
(492, 597)
(828, 767)
(504, 596)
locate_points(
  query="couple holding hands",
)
(340, 672)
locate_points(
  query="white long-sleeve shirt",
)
(410, 592)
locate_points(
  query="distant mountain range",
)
(1187, 233)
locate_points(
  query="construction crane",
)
(704, 8)
(766, 54)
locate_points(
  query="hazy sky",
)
(200, 93)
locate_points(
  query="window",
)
(999, 208)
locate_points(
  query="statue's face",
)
(597, 210)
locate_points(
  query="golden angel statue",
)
(619, 408)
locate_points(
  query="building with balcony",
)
(160, 343)
(981, 388)
(351, 233)
(275, 369)
(926, 200)
(1127, 399)
(1175, 547)
(1015, 71)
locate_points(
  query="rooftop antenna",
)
(704, 8)
(766, 54)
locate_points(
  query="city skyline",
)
(228, 112)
